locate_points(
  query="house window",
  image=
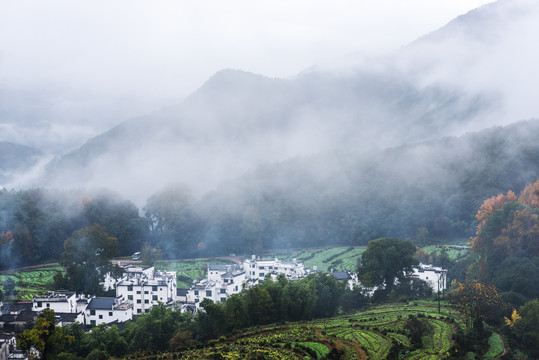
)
(129, 297)
(160, 289)
(92, 312)
(146, 292)
(39, 304)
(130, 288)
(110, 313)
(146, 301)
(48, 305)
(138, 291)
(223, 291)
(154, 288)
(154, 297)
(223, 299)
(261, 274)
(196, 292)
(92, 322)
(138, 301)
(208, 292)
(138, 311)
(101, 316)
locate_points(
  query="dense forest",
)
(425, 191)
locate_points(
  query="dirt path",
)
(22, 268)
(504, 349)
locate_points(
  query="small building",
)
(145, 288)
(107, 310)
(350, 278)
(435, 276)
(7, 345)
(257, 269)
(67, 319)
(59, 301)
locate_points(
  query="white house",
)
(7, 345)
(145, 287)
(436, 277)
(227, 279)
(223, 280)
(59, 301)
(107, 310)
(257, 269)
(350, 277)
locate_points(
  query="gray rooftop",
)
(101, 303)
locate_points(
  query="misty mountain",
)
(352, 198)
(16, 158)
(236, 121)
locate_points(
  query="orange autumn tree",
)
(507, 224)
(530, 195)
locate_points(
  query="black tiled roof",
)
(341, 275)
(181, 292)
(26, 316)
(67, 317)
(101, 303)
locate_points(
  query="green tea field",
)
(377, 333)
(32, 282)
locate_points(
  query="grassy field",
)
(455, 253)
(339, 258)
(372, 334)
(32, 282)
(189, 270)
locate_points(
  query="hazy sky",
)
(165, 48)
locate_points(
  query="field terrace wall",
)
(145, 288)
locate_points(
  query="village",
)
(142, 287)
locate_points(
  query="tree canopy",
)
(385, 261)
(86, 258)
(45, 338)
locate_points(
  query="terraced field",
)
(339, 259)
(189, 270)
(455, 253)
(34, 282)
(372, 334)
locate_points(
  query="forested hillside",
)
(428, 190)
(35, 223)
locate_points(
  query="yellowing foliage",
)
(514, 317)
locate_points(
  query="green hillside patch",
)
(30, 283)
(339, 258)
(495, 346)
(376, 333)
(189, 270)
(454, 252)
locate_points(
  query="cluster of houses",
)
(141, 288)
(227, 279)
